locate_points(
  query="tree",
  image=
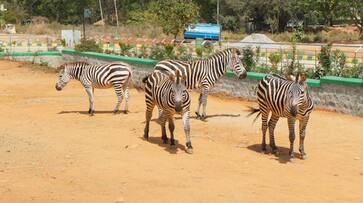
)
(354, 9)
(174, 15)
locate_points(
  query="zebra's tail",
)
(252, 111)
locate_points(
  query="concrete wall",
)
(336, 97)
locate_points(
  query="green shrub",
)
(248, 60)
(338, 60)
(169, 51)
(88, 45)
(199, 52)
(143, 52)
(157, 52)
(183, 54)
(353, 72)
(275, 59)
(125, 49)
(325, 58)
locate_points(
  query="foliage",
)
(183, 54)
(248, 60)
(125, 49)
(169, 51)
(275, 59)
(325, 58)
(338, 60)
(353, 72)
(143, 53)
(199, 52)
(88, 45)
(174, 15)
(157, 52)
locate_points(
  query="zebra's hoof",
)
(126, 111)
(275, 152)
(303, 156)
(116, 111)
(165, 141)
(146, 137)
(189, 150)
(198, 115)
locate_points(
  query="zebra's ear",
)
(172, 77)
(302, 78)
(238, 52)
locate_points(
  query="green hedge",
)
(250, 75)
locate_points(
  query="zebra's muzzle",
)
(178, 107)
(57, 87)
(242, 76)
(293, 111)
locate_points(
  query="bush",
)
(125, 49)
(143, 52)
(157, 52)
(353, 72)
(169, 51)
(325, 58)
(275, 59)
(248, 58)
(183, 54)
(88, 45)
(199, 52)
(338, 60)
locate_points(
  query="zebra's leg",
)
(119, 93)
(164, 137)
(126, 92)
(302, 128)
(204, 101)
(187, 132)
(171, 129)
(272, 125)
(148, 114)
(264, 129)
(291, 123)
(199, 105)
(91, 109)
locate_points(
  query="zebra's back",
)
(192, 70)
(107, 75)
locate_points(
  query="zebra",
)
(203, 74)
(116, 75)
(168, 92)
(284, 98)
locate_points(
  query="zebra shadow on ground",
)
(283, 156)
(158, 141)
(208, 116)
(96, 112)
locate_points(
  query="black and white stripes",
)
(204, 74)
(116, 75)
(171, 96)
(284, 98)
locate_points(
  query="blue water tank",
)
(203, 30)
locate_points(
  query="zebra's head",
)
(63, 78)
(235, 64)
(178, 90)
(297, 94)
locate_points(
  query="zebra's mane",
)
(72, 64)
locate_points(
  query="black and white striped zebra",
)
(169, 93)
(116, 75)
(284, 98)
(204, 74)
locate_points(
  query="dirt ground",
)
(52, 151)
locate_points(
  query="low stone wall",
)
(343, 98)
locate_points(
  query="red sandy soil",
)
(52, 151)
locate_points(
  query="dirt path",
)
(52, 151)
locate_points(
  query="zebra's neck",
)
(215, 66)
(75, 72)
